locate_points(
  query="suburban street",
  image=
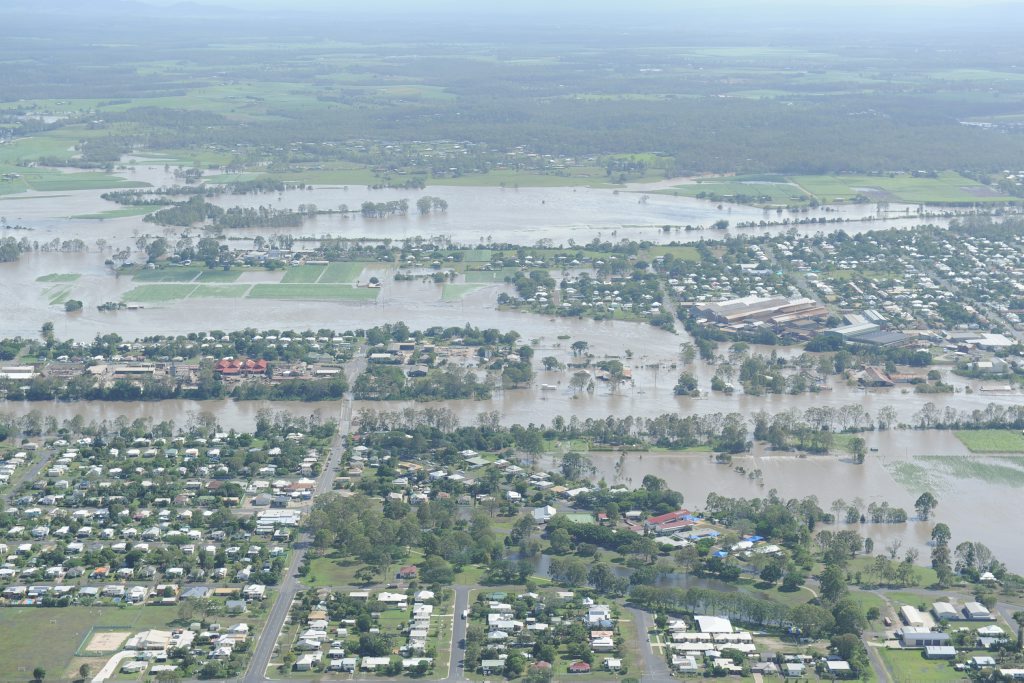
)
(289, 587)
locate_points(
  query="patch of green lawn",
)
(456, 292)
(169, 274)
(158, 293)
(123, 212)
(312, 292)
(59, 277)
(992, 440)
(219, 292)
(219, 275)
(332, 572)
(684, 253)
(34, 636)
(303, 274)
(910, 665)
(947, 187)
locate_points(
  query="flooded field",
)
(905, 463)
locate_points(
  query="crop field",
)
(992, 440)
(186, 275)
(218, 276)
(158, 293)
(303, 274)
(948, 187)
(312, 292)
(167, 275)
(342, 272)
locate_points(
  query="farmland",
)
(992, 440)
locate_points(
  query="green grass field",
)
(487, 276)
(312, 292)
(477, 255)
(303, 274)
(34, 636)
(59, 277)
(766, 193)
(342, 272)
(910, 665)
(219, 292)
(218, 276)
(684, 253)
(167, 275)
(158, 293)
(992, 440)
(456, 292)
(948, 187)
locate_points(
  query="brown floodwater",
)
(896, 473)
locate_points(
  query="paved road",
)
(290, 585)
(458, 653)
(654, 664)
(39, 461)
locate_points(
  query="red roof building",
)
(244, 366)
(408, 572)
(579, 668)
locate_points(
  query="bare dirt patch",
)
(107, 641)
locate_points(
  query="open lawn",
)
(158, 293)
(992, 440)
(312, 292)
(477, 255)
(59, 277)
(34, 636)
(910, 665)
(948, 187)
(342, 272)
(303, 274)
(332, 572)
(456, 292)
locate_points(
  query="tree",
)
(924, 504)
(579, 347)
(686, 385)
(550, 363)
(858, 448)
(84, 671)
(941, 534)
(515, 665)
(38, 673)
(560, 541)
(833, 583)
(576, 466)
(579, 381)
(771, 573)
(811, 620)
(46, 332)
(72, 305)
